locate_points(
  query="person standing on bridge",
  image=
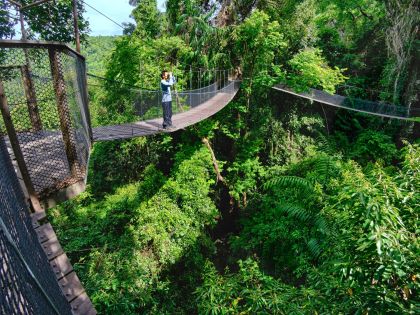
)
(167, 81)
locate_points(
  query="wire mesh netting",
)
(27, 282)
(45, 91)
(356, 104)
(196, 88)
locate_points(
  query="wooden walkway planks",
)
(67, 279)
(153, 126)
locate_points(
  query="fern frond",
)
(324, 166)
(321, 224)
(326, 146)
(314, 248)
(290, 181)
(297, 212)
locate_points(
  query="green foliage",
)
(302, 228)
(290, 181)
(6, 23)
(301, 30)
(257, 40)
(98, 50)
(372, 246)
(148, 19)
(309, 69)
(371, 146)
(286, 226)
(120, 245)
(138, 62)
(249, 291)
(118, 162)
(360, 245)
(54, 21)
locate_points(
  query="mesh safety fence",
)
(27, 282)
(45, 88)
(193, 88)
(356, 104)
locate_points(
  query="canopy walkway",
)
(354, 104)
(210, 104)
(46, 136)
(46, 118)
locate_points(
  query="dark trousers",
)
(167, 114)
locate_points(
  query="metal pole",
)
(215, 79)
(14, 142)
(191, 88)
(76, 26)
(199, 83)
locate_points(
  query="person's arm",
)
(167, 83)
(170, 82)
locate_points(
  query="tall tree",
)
(54, 20)
(6, 20)
(403, 18)
(148, 18)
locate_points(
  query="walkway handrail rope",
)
(144, 90)
(382, 109)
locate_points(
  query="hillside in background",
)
(97, 50)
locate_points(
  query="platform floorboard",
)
(46, 160)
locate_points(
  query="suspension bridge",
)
(354, 104)
(46, 136)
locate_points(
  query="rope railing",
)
(355, 104)
(186, 93)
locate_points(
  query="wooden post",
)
(28, 83)
(14, 142)
(76, 26)
(22, 25)
(31, 97)
(63, 110)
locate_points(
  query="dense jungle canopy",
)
(306, 209)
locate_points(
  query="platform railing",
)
(45, 115)
(28, 284)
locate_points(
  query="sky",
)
(118, 10)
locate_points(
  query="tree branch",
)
(215, 164)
